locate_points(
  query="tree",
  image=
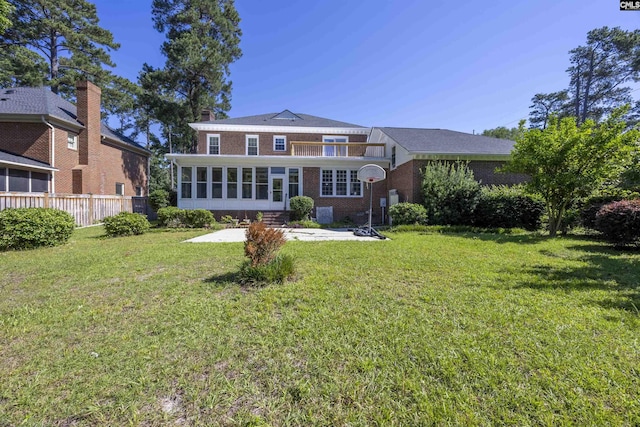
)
(65, 34)
(600, 69)
(567, 161)
(543, 105)
(203, 39)
(5, 11)
(502, 133)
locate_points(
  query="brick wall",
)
(65, 160)
(25, 139)
(234, 143)
(118, 165)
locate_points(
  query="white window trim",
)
(246, 144)
(123, 191)
(334, 184)
(73, 146)
(209, 135)
(279, 137)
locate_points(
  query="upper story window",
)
(213, 144)
(279, 143)
(336, 149)
(72, 141)
(252, 145)
(393, 156)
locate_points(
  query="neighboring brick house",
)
(49, 144)
(257, 163)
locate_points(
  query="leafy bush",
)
(592, 205)
(276, 271)
(619, 222)
(508, 207)
(171, 217)
(303, 224)
(29, 228)
(301, 207)
(262, 243)
(450, 193)
(125, 224)
(408, 213)
(158, 199)
(199, 218)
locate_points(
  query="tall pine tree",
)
(203, 38)
(67, 39)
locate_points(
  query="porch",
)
(337, 149)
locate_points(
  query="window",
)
(3, 179)
(327, 183)
(247, 183)
(138, 191)
(213, 144)
(232, 183)
(334, 150)
(39, 182)
(393, 156)
(119, 189)
(18, 180)
(262, 183)
(185, 188)
(279, 143)
(201, 182)
(252, 145)
(72, 141)
(216, 183)
(355, 188)
(340, 183)
(294, 181)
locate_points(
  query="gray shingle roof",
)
(441, 141)
(14, 158)
(40, 101)
(284, 118)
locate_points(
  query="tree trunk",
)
(54, 64)
(587, 88)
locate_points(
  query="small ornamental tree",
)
(263, 243)
(567, 162)
(301, 207)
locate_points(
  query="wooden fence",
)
(87, 209)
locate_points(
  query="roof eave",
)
(417, 155)
(219, 127)
(126, 145)
(26, 166)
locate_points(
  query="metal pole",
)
(370, 207)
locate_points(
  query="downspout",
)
(52, 145)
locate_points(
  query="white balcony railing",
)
(336, 149)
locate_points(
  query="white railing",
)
(336, 149)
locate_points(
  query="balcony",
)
(337, 149)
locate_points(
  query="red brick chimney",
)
(207, 115)
(88, 111)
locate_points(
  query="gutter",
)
(52, 142)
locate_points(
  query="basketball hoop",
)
(370, 174)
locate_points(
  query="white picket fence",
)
(87, 209)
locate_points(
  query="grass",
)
(422, 329)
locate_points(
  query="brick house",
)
(257, 163)
(49, 144)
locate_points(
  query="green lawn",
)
(423, 329)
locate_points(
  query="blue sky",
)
(459, 65)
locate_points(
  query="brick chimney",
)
(88, 111)
(207, 115)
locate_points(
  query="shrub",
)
(301, 207)
(158, 199)
(450, 193)
(29, 228)
(408, 213)
(619, 222)
(508, 207)
(276, 271)
(199, 218)
(303, 224)
(262, 243)
(592, 205)
(125, 224)
(171, 217)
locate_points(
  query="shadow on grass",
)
(500, 238)
(223, 280)
(602, 268)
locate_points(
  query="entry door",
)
(277, 193)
